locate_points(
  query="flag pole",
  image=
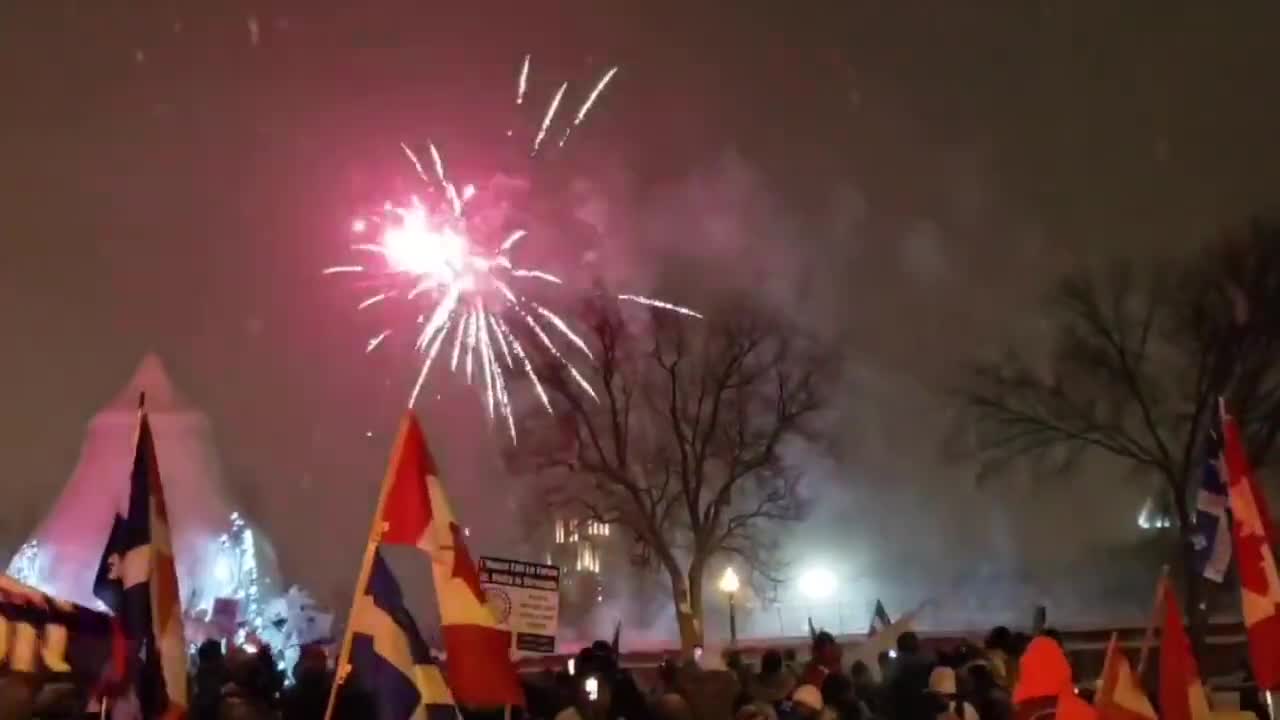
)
(1149, 637)
(1102, 688)
(375, 535)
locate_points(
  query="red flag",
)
(1120, 696)
(1181, 693)
(1255, 560)
(417, 513)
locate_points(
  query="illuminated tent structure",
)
(218, 554)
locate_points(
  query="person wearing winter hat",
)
(1045, 690)
(806, 702)
(942, 686)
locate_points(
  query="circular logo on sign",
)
(499, 603)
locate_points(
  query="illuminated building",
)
(579, 549)
(218, 553)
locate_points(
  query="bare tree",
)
(685, 446)
(1138, 358)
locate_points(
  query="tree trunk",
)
(688, 613)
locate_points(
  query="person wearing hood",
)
(942, 686)
(1045, 690)
(826, 655)
(806, 703)
(774, 682)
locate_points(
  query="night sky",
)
(904, 177)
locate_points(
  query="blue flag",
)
(390, 660)
(1212, 536)
(137, 582)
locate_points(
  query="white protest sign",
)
(524, 598)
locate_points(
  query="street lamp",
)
(729, 585)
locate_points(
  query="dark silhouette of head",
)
(826, 651)
(771, 662)
(999, 639)
(210, 652)
(908, 644)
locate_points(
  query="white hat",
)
(809, 696)
(943, 680)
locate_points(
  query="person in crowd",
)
(58, 698)
(910, 680)
(1044, 690)
(998, 653)
(806, 704)
(668, 679)
(756, 711)
(774, 682)
(948, 703)
(206, 684)
(825, 658)
(990, 700)
(790, 662)
(840, 700)
(868, 690)
(885, 664)
(710, 688)
(246, 694)
(309, 695)
(672, 707)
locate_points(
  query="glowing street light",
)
(817, 583)
(729, 585)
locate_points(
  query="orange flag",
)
(1182, 695)
(1120, 697)
(417, 513)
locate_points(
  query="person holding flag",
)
(138, 581)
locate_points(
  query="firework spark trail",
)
(586, 105)
(376, 340)
(342, 269)
(524, 360)
(417, 164)
(487, 363)
(510, 242)
(563, 327)
(555, 352)
(471, 341)
(426, 365)
(373, 300)
(537, 274)
(546, 121)
(660, 304)
(449, 189)
(457, 344)
(523, 83)
(502, 342)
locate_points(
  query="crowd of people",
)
(969, 683)
(1011, 677)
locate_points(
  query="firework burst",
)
(470, 295)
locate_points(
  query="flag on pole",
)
(389, 659)
(1212, 536)
(138, 581)
(879, 619)
(1182, 695)
(417, 513)
(1255, 559)
(1120, 695)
